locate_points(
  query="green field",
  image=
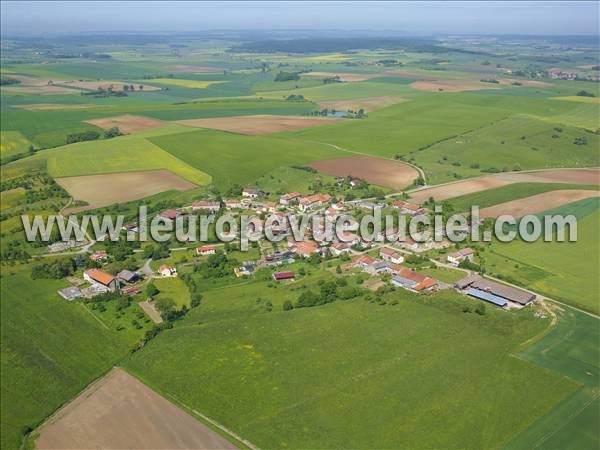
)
(121, 154)
(570, 349)
(261, 374)
(565, 271)
(174, 289)
(236, 159)
(51, 350)
(12, 143)
(514, 143)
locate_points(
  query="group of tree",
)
(55, 269)
(287, 76)
(89, 135)
(216, 266)
(329, 291)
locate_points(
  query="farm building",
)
(514, 296)
(340, 248)
(362, 261)
(464, 254)
(287, 275)
(98, 277)
(70, 293)
(251, 192)
(167, 271)
(391, 255)
(127, 276)
(313, 201)
(205, 250)
(289, 199)
(204, 205)
(413, 280)
(349, 238)
(170, 214)
(409, 208)
(99, 256)
(232, 204)
(305, 249)
(488, 297)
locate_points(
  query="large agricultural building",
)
(493, 292)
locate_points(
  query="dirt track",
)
(378, 171)
(259, 124)
(120, 412)
(537, 203)
(127, 123)
(451, 190)
(107, 189)
(347, 77)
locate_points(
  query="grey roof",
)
(487, 297)
(70, 293)
(501, 290)
(127, 275)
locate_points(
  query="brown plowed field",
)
(451, 85)
(451, 190)
(378, 171)
(127, 123)
(109, 188)
(259, 124)
(537, 203)
(120, 412)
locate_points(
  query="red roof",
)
(284, 275)
(389, 252)
(425, 284)
(306, 248)
(100, 276)
(164, 267)
(206, 248)
(170, 214)
(291, 196)
(363, 259)
(412, 275)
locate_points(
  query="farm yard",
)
(285, 345)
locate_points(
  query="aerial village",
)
(393, 261)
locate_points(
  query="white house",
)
(391, 255)
(166, 271)
(464, 254)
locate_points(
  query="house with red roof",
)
(281, 276)
(289, 199)
(391, 255)
(205, 205)
(167, 271)
(313, 201)
(101, 278)
(205, 250)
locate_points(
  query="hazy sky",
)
(412, 17)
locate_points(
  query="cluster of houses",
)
(98, 281)
(390, 262)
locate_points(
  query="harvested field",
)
(127, 123)
(41, 90)
(52, 106)
(347, 77)
(464, 187)
(194, 69)
(451, 85)
(259, 124)
(378, 171)
(107, 189)
(527, 83)
(27, 80)
(369, 104)
(537, 203)
(104, 84)
(119, 412)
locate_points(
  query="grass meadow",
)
(51, 349)
(237, 159)
(355, 373)
(565, 271)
